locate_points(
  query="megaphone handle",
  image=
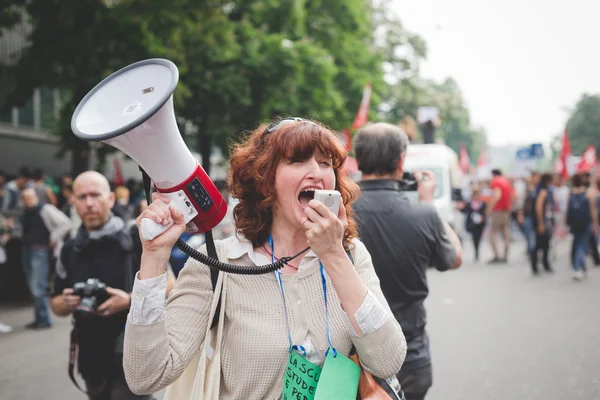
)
(179, 201)
(151, 229)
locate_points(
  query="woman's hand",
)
(324, 230)
(157, 251)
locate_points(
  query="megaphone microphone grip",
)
(150, 229)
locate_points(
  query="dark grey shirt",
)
(404, 239)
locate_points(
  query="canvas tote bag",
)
(201, 380)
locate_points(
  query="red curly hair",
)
(254, 162)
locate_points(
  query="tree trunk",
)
(205, 147)
(80, 161)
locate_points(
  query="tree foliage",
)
(76, 43)
(583, 124)
(250, 61)
(407, 90)
(241, 62)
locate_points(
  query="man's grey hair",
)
(378, 148)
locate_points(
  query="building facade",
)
(25, 132)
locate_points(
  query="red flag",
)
(588, 160)
(558, 166)
(362, 115)
(347, 134)
(118, 178)
(565, 152)
(483, 159)
(463, 159)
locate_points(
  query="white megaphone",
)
(132, 110)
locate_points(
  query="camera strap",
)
(73, 353)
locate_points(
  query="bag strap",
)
(214, 273)
(126, 242)
(73, 353)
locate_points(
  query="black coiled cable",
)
(215, 263)
(232, 268)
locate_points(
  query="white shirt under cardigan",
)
(148, 299)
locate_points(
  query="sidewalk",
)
(34, 364)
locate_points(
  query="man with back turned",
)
(404, 238)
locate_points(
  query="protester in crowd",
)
(122, 208)
(226, 226)
(499, 209)
(3, 189)
(66, 193)
(66, 181)
(136, 190)
(106, 250)
(273, 174)
(543, 222)
(526, 214)
(69, 209)
(475, 218)
(5, 228)
(139, 208)
(597, 198)
(404, 238)
(561, 196)
(582, 219)
(44, 227)
(12, 191)
(44, 192)
(592, 194)
(520, 193)
(513, 225)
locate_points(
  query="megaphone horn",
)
(132, 110)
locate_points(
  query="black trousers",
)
(593, 250)
(542, 243)
(115, 390)
(416, 382)
(476, 234)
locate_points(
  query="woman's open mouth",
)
(305, 196)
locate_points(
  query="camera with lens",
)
(409, 183)
(93, 293)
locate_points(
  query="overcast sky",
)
(519, 63)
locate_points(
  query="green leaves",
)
(241, 62)
(584, 124)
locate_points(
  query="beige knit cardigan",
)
(255, 343)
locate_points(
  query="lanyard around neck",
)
(324, 283)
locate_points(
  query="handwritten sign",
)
(300, 379)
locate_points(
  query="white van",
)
(442, 161)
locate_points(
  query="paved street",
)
(499, 333)
(496, 333)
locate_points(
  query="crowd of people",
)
(544, 207)
(38, 214)
(354, 296)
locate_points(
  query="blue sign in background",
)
(524, 153)
(536, 150)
